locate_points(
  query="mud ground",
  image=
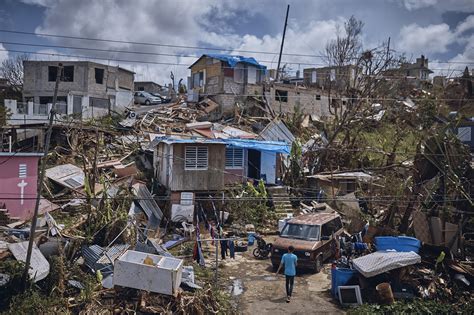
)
(256, 289)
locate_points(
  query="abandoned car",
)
(312, 235)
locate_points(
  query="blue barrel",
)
(341, 276)
(398, 243)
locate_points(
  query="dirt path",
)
(257, 290)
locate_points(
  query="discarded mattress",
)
(379, 262)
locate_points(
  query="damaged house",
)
(207, 164)
(86, 90)
(287, 98)
(226, 79)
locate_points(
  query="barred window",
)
(196, 158)
(234, 158)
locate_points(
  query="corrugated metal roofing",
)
(276, 130)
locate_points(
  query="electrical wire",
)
(184, 65)
(182, 46)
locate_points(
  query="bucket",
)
(251, 238)
(385, 293)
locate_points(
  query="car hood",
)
(284, 243)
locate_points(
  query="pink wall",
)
(18, 183)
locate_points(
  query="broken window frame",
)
(67, 75)
(234, 158)
(317, 97)
(281, 96)
(196, 158)
(99, 75)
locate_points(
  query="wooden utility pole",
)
(41, 176)
(282, 42)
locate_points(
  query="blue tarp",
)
(233, 60)
(271, 146)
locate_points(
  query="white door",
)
(268, 166)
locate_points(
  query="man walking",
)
(289, 260)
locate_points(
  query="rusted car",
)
(312, 235)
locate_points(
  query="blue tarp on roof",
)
(233, 60)
(272, 146)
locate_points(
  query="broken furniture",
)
(148, 272)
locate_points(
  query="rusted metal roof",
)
(313, 218)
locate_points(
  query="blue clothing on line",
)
(289, 261)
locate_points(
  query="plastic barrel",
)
(384, 290)
(341, 276)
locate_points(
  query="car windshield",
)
(146, 94)
(301, 231)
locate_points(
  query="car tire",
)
(147, 102)
(318, 264)
(256, 253)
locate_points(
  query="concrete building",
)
(331, 77)
(226, 79)
(417, 73)
(286, 98)
(86, 90)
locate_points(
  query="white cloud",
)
(418, 4)
(434, 38)
(439, 5)
(430, 39)
(466, 25)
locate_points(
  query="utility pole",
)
(41, 176)
(282, 42)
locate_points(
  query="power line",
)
(138, 52)
(183, 46)
(155, 44)
(326, 73)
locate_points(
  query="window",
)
(99, 75)
(281, 96)
(234, 158)
(313, 76)
(318, 97)
(331, 227)
(141, 88)
(300, 231)
(333, 75)
(68, 73)
(195, 158)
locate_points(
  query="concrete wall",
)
(150, 87)
(117, 85)
(36, 80)
(305, 99)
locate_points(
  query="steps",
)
(281, 201)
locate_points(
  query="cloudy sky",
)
(442, 30)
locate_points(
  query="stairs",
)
(281, 201)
